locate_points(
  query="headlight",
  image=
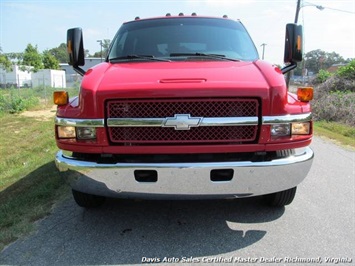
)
(296, 128)
(66, 132)
(86, 133)
(280, 130)
(80, 133)
(300, 128)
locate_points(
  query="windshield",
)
(181, 39)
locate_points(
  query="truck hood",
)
(106, 77)
(181, 79)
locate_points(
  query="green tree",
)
(15, 56)
(317, 59)
(49, 60)
(60, 53)
(5, 62)
(31, 57)
(105, 45)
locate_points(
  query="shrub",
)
(348, 71)
(13, 103)
(322, 76)
(334, 84)
(334, 99)
(335, 107)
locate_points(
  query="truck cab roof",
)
(181, 15)
(182, 37)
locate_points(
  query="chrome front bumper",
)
(186, 180)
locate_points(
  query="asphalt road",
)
(317, 227)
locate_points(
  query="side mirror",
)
(75, 48)
(293, 43)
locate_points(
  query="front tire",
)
(87, 200)
(282, 198)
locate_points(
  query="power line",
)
(326, 7)
(345, 11)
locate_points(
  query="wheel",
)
(282, 198)
(87, 200)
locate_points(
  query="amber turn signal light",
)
(60, 97)
(305, 94)
(69, 47)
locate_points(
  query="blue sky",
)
(44, 23)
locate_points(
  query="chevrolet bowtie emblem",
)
(182, 122)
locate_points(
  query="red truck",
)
(183, 108)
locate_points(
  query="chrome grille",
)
(162, 108)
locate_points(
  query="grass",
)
(30, 183)
(343, 134)
(15, 100)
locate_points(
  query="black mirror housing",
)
(293, 43)
(75, 47)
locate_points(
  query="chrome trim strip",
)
(65, 162)
(205, 121)
(79, 122)
(229, 121)
(161, 122)
(135, 122)
(269, 120)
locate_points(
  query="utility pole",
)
(100, 41)
(288, 76)
(297, 10)
(263, 45)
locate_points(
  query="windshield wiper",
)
(136, 56)
(214, 56)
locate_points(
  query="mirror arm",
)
(79, 70)
(289, 67)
